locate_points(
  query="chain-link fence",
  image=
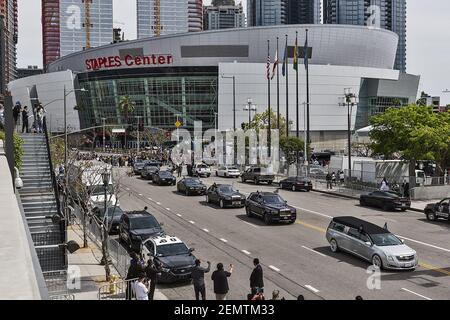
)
(56, 282)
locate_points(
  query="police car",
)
(172, 255)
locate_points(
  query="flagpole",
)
(287, 88)
(308, 136)
(296, 94)
(268, 100)
(278, 89)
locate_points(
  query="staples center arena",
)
(189, 77)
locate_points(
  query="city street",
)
(296, 258)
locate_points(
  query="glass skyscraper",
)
(385, 14)
(74, 25)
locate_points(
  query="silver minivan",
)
(370, 242)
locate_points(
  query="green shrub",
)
(18, 150)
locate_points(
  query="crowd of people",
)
(24, 114)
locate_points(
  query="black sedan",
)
(164, 178)
(439, 210)
(270, 207)
(387, 200)
(296, 183)
(148, 171)
(225, 196)
(190, 186)
(113, 217)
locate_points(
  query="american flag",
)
(268, 67)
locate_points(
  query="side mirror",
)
(368, 243)
(403, 241)
(191, 250)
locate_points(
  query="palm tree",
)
(126, 106)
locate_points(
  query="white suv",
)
(201, 170)
(228, 171)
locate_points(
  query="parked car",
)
(172, 255)
(270, 207)
(148, 172)
(201, 170)
(370, 242)
(296, 183)
(190, 186)
(387, 200)
(228, 172)
(164, 178)
(137, 226)
(225, 196)
(257, 175)
(113, 214)
(439, 210)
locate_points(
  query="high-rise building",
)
(8, 43)
(223, 16)
(161, 17)
(72, 25)
(385, 14)
(275, 12)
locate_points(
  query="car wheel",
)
(242, 179)
(403, 209)
(362, 202)
(377, 262)
(281, 186)
(431, 216)
(248, 212)
(221, 204)
(334, 246)
(267, 220)
(256, 181)
(294, 188)
(207, 199)
(385, 207)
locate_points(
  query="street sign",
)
(178, 124)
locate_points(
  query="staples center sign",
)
(112, 62)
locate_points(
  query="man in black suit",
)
(257, 278)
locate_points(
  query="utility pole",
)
(349, 100)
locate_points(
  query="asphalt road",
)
(296, 258)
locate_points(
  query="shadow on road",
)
(260, 223)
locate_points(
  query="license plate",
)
(236, 203)
(408, 265)
(403, 204)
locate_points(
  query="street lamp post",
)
(349, 100)
(250, 107)
(106, 176)
(104, 138)
(138, 136)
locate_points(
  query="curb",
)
(356, 198)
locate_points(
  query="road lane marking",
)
(191, 222)
(158, 203)
(417, 294)
(150, 199)
(311, 226)
(128, 189)
(251, 224)
(140, 194)
(206, 230)
(311, 288)
(246, 252)
(315, 212)
(312, 250)
(223, 240)
(424, 243)
(179, 215)
(168, 209)
(274, 268)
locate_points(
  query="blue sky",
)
(428, 38)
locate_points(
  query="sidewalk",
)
(92, 274)
(341, 191)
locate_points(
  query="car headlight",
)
(135, 237)
(390, 258)
(227, 198)
(273, 211)
(166, 270)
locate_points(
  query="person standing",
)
(384, 185)
(134, 271)
(152, 270)
(25, 127)
(257, 278)
(333, 178)
(220, 280)
(342, 177)
(329, 183)
(198, 279)
(141, 288)
(40, 119)
(179, 170)
(16, 114)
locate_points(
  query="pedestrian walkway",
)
(91, 274)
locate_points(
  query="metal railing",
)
(118, 290)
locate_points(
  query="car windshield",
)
(202, 166)
(172, 250)
(165, 174)
(385, 239)
(148, 222)
(226, 189)
(232, 168)
(392, 194)
(100, 190)
(273, 199)
(193, 181)
(116, 212)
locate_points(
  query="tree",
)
(261, 121)
(126, 107)
(290, 146)
(412, 133)
(18, 149)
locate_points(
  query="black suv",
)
(137, 226)
(270, 207)
(257, 175)
(434, 211)
(148, 171)
(225, 196)
(190, 186)
(164, 178)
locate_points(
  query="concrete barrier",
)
(430, 192)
